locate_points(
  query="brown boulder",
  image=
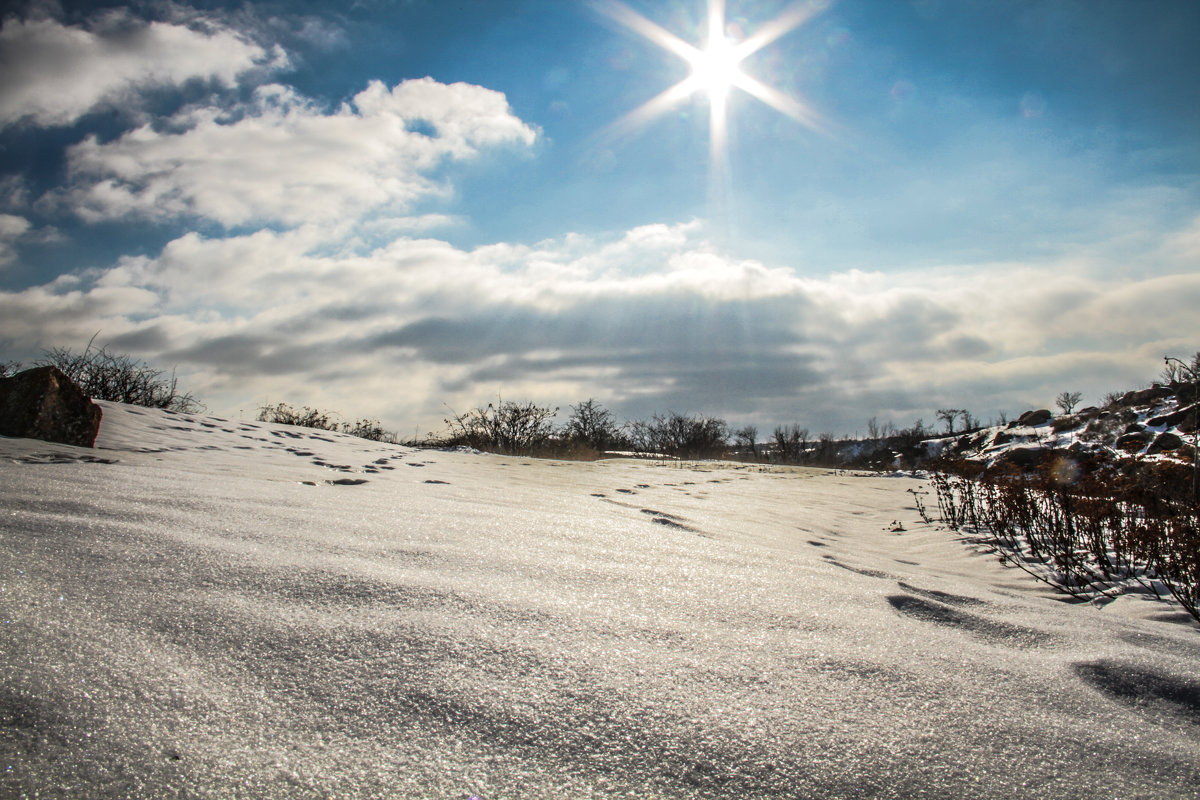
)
(1034, 418)
(1164, 442)
(45, 404)
(1022, 457)
(1179, 417)
(1143, 397)
(1134, 440)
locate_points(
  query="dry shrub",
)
(1093, 528)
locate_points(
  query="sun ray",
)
(791, 19)
(783, 103)
(715, 68)
(623, 14)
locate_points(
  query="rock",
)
(1022, 457)
(1163, 442)
(1135, 440)
(43, 403)
(1034, 418)
(1179, 417)
(1132, 427)
(1143, 397)
(1002, 438)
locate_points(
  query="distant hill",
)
(1152, 424)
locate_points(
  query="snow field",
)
(210, 608)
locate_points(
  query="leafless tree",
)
(591, 424)
(1066, 401)
(747, 437)
(1180, 371)
(948, 415)
(791, 443)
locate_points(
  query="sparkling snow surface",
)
(208, 608)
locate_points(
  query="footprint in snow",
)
(431, 480)
(992, 631)
(662, 514)
(1143, 688)
(870, 573)
(347, 481)
(943, 597)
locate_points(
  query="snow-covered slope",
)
(1156, 423)
(209, 608)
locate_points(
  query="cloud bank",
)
(655, 319)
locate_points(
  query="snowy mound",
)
(207, 608)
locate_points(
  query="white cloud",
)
(11, 228)
(397, 331)
(53, 73)
(286, 161)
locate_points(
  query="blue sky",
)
(388, 208)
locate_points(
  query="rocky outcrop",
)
(1142, 397)
(1133, 440)
(1164, 442)
(45, 404)
(1022, 456)
(1182, 417)
(1034, 418)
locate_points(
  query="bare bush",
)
(8, 368)
(509, 427)
(1115, 528)
(747, 440)
(120, 378)
(307, 417)
(286, 414)
(791, 443)
(371, 429)
(591, 424)
(678, 435)
(1184, 378)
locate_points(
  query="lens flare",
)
(715, 68)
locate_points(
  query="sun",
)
(716, 66)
